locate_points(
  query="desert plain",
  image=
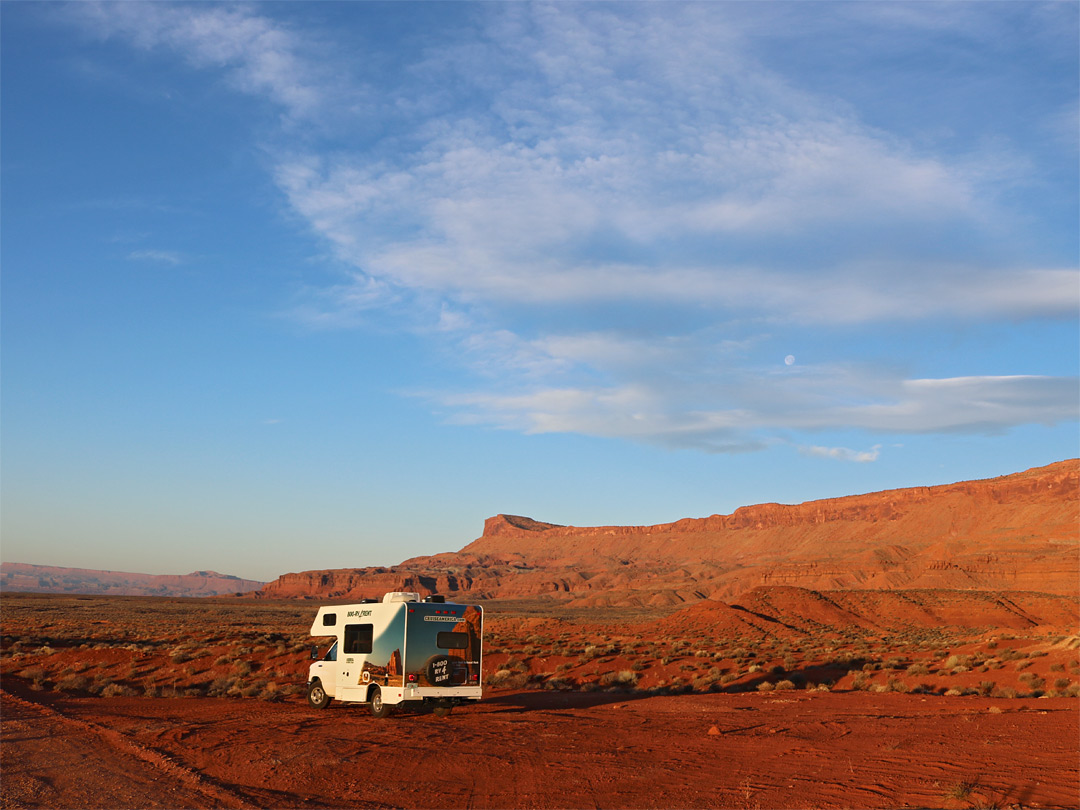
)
(153, 702)
(886, 651)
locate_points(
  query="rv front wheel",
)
(317, 696)
(378, 708)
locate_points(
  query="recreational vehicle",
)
(400, 651)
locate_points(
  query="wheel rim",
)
(376, 701)
(317, 694)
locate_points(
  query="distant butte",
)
(1019, 532)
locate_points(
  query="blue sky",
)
(317, 285)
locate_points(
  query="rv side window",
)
(357, 638)
(329, 619)
(453, 641)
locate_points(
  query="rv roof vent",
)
(368, 601)
(401, 596)
(435, 598)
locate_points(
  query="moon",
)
(789, 360)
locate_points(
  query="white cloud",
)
(720, 410)
(163, 256)
(843, 453)
(259, 56)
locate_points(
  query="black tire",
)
(316, 695)
(442, 711)
(378, 708)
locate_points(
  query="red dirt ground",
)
(545, 750)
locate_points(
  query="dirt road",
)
(544, 750)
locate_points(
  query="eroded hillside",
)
(1016, 532)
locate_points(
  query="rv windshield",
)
(331, 654)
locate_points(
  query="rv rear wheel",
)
(317, 696)
(378, 708)
(442, 710)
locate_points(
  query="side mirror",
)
(314, 652)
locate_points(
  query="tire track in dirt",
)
(27, 720)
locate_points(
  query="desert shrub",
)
(35, 674)
(508, 679)
(918, 669)
(558, 684)
(961, 790)
(151, 691)
(117, 690)
(896, 685)
(74, 683)
(624, 678)
(1057, 667)
(271, 692)
(783, 686)
(765, 686)
(1022, 665)
(1004, 692)
(591, 651)
(894, 662)
(953, 693)
(986, 688)
(1032, 680)
(242, 668)
(1061, 684)
(754, 668)
(220, 687)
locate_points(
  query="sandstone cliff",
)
(1017, 532)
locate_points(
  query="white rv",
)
(398, 651)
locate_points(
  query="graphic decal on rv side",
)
(383, 664)
(444, 650)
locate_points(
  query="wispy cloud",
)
(161, 256)
(843, 453)
(259, 56)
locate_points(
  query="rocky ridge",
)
(52, 579)
(1015, 532)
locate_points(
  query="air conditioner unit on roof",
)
(401, 596)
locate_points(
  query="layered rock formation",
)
(1016, 532)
